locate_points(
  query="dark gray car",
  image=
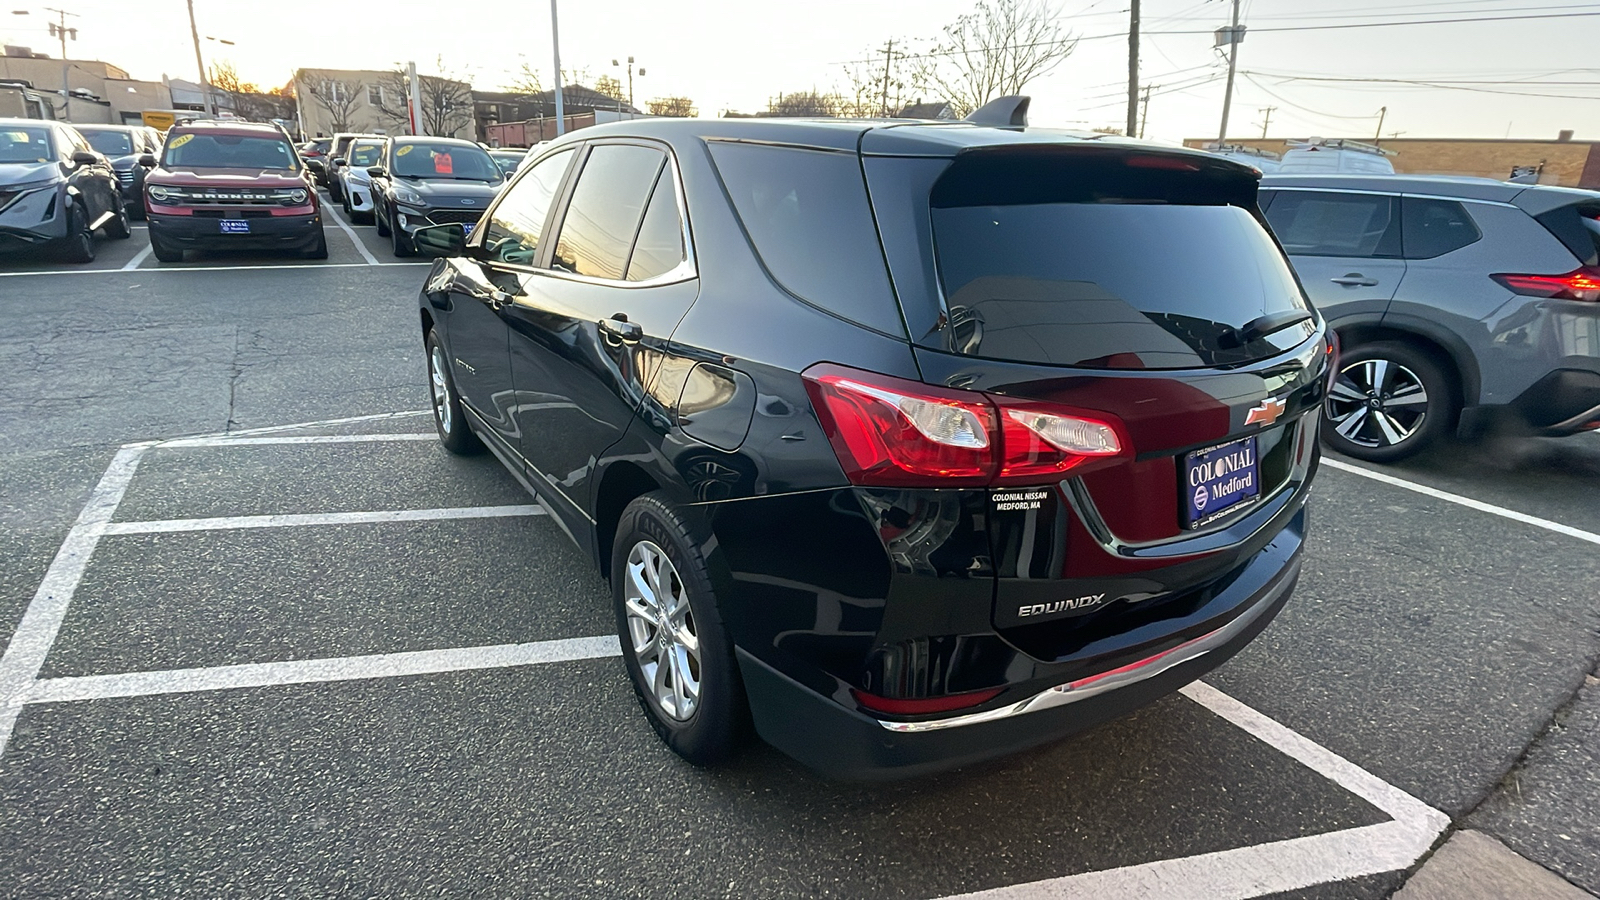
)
(422, 181)
(55, 190)
(1460, 303)
(123, 145)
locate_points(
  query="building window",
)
(334, 91)
(375, 95)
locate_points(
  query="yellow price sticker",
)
(180, 140)
(404, 150)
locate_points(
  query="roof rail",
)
(1336, 144)
(1005, 112)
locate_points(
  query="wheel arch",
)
(427, 323)
(622, 483)
(1449, 351)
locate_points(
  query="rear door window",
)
(1314, 223)
(601, 222)
(659, 249)
(1436, 227)
(1113, 284)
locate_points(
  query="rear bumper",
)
(1565, 401)
(830, 735)
(266, 233)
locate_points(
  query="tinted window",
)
(1112, 285)
(229, 151)
(598, 229)
(659, 249)
(24, 144)
(460, 162)
(807, 213)
(515, 225)
(111, 143)
(1316, 224)
(1435, 227)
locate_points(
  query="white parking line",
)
(324, 423)
(1468, 502)
(348, 668)
(227, 523)
(308, 266)
(36, 633)
(333, 213)
(230, 441)
(138, 258)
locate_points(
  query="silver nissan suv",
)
(1461, 304)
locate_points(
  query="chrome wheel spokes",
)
(441, 388)
(661, 630)
(1377, 403)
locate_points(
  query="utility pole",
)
(888, 60)
(1133, 70)
(1234, 36)
(1144, 117)
(1378, 135)
(414, 100)
(205, 84)
(1266, 121)
(555, 44)
(59, 29)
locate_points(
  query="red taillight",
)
(1580, 284)
(922, 705)
(894, 432)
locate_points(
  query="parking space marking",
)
(228, 523)
(224, 440)
(138, 258)
(309, 671)
(324, 423)
(338, 220)
(1468, 502)
(36, 633)
(310, 266)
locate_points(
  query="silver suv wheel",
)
(1377, 403)
(661, 630)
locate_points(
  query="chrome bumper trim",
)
(1094, 685)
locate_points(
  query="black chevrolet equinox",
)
(909, 444)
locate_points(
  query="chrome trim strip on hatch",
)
(1095, 685)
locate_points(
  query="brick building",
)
(1563, 161)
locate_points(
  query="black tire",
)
(78, 244)
(1414, 401)
(361, 218)
(134, 211)
(401, 241)
(319, 250)
(334, 192)
(717, 722)
(381, 219)
(162, 251)
(118, 228)
(449, 419)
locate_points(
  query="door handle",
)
(1355, 279)
(620, 328)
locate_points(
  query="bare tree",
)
(993, 51)
(527, 82)
(246, 99)
(875, 86)
(678, 107)
(611, 87)
(337, 97)
(446, 103)
(810, 104)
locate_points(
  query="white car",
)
(355, 186)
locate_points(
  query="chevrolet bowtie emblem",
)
(1267, 413)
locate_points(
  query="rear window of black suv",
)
(1089, 262)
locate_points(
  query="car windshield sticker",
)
(442, 164)
(403, 150)
(180, 140)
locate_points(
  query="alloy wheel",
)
(661, 631)
(1377, 403)
(441, 389)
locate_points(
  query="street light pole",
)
(1235, 38)
(555, 44)
(205, 83)
(615, 63)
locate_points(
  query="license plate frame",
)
(234, 226)
(1238, 481)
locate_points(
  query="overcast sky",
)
(734, 54)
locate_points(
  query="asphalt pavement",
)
(332, 659)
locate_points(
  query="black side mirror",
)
(339, 161)
(441, 240)
(85, 158)
(376, 172)
(148, 160)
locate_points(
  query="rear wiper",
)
(1271, 323)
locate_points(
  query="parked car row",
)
(56, 191)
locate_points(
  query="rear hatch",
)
(1131, 286)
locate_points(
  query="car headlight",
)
(33, 185)
(298, 196)
(407, 196)
(161, 193)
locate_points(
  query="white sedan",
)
(354, 182)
